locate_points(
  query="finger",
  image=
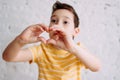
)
(44, 27)
(56, 37)
(51, 41)
(57, 29)
(60, 33)
(36, 28)
(42, 39)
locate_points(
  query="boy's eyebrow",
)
(53, 15)
(63, 16)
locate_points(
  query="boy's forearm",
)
(12, 49)
(86, 58)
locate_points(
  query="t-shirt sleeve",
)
(35, 53)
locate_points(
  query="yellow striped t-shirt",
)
(56, 64)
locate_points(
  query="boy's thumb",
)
(51, 41)
(42, 39)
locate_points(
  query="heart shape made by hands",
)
(44, 38)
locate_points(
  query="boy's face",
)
(63, 19)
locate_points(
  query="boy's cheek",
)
(52, 24)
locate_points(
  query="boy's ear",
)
(76, 31)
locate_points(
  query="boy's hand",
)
(31, 34)
(61, 39)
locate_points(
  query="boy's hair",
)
(58, 5)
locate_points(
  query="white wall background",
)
(100, 32)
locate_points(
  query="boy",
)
(58, 58)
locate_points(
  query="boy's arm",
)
(86, 57)
(15, 53)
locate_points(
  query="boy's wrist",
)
(19, 41)
(73, 48)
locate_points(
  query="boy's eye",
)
(53, 20)
(65, 22)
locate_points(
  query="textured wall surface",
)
(100, 32)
